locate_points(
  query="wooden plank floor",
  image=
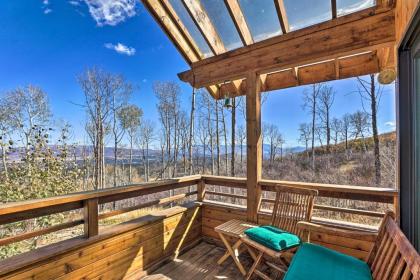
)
(199, 263)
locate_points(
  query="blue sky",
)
(49, 43)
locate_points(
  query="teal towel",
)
(273, 237)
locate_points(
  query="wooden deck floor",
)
(200, 263)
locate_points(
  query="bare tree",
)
(346, 129)
(336, 129)
(6, 130)
(168, 94)
(145, 138)
(325, 101)
(130, 119)
(233, 140)
(191, 136)
(360, 125)
(118, 101)
(370, 92)
(305, 135)
(99, 87)
(241, 137)
(310, 103)
(29, 109)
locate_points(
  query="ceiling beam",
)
(238, 18)
(334, 8)
(335, 69)
(181, 27)
(350, 34)
(205, 25)
(282, 15)
(172, 30)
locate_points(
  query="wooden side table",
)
(234, 228)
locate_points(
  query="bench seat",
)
(316, 262)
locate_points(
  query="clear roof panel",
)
(305, 13)
(223, 23)
(345, 7)
(191, 27)
(262, 19)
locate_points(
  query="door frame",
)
(407, 114)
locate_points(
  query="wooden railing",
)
(89, 203)
(354, 193)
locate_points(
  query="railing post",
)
(90, 216)
(201, 190)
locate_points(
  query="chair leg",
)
(255, 265)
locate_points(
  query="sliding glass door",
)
(409, 132)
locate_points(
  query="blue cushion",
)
(273, 237)
(315, 262)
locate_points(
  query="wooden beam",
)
(254, 145)
(334, 8)
(351, 34)
(205, 25)
(238, 18)
(282, 15)
(181, 27)
(172, 30)
(340, 68)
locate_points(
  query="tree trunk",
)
(232, 159)
(225, 142)
(4, 157)
(375, 131)
(217, 138)
(191, 136)
(130, 178)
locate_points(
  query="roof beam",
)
(351, 34)
(335, 69)
(172, 30)
(281, 13)
(205, 25)
(239, 20)
(178, 22)
(334, 8)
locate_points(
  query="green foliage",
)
(42, 171)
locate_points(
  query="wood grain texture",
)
(122, 250)
(239, 20)
(370, 30)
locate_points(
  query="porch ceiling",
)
(288, 43)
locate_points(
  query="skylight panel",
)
(192, 28)
(345, 7)
(262, 18)
(304, 13)
(223, 23)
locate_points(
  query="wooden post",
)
(201, 190)
(254, 145)
(90, 214)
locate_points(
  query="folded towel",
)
(273, 237)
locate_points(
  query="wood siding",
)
(125, 254)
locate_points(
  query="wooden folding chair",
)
(291, 206)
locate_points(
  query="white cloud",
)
(111, 12)
(144, 80)
(120, 48)
(46, 2)
(47, 11)
(361, 5)
(74, 3)
(390, 124)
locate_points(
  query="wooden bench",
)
(392, 256)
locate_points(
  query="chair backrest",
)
(292, 205)
(392, 255)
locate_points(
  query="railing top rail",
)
(333, 187)
(318, 186)
(111, 193)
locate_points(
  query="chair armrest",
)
(353, 234)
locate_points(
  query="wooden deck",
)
(200, 263)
